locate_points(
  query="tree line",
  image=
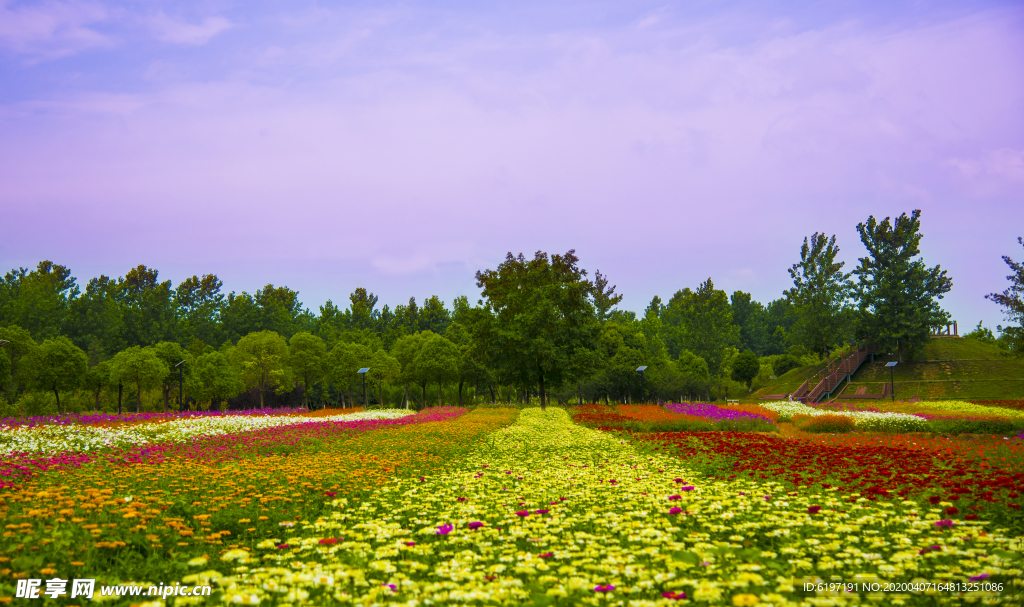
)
(542, 328)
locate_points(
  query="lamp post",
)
(640, 372)
(181, 403)
(363, 373)
(892, 383)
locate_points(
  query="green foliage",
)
(1003, 426)
(437, 361)
(604, 297)
(214, 379)
(745, 367)
(705, 324)
(97, 380)
(342, 362)
(306, 354)
(384, 368)
(1012, 302)
(57, 365)
(262, 358)
(171, 354)
(819, 295)
(138, 366)
(542, 316)
(898, 294)
(785, 363)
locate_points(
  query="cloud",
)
(181, 32)
(51, 29)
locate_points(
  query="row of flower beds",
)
(550, 513)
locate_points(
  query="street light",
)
(892, 384)
(363, 373)
(180, 367)
(3, 342)
(640, 372)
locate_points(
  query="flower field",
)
(497, 506)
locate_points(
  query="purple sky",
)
(403, 147)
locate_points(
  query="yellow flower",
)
(742, 600)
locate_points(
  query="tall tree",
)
(820, 295)
(199, 302)
(604, 296)
(405, 350)
(171, 354)
(147, 306)
(898, 293)
(383, 369)
(433, 316)
(542, 313)
(753, 321)
(37, 301)
(707, 325)
(140, 367)
(306, 358)
(280, 310)
(96, 317)
(214, 379)
(262, 358)
(745, 367)
(58, 366)
(437, 361)
(20, 345)
(342, 362)
(1012, 301)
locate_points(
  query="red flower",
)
(329, 541)
(330, 493)
(971, 517)
(814, 510)
(934, 499)
(952, 510)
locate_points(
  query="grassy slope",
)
(946, 369)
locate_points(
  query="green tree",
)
(262, 358)
(694, 370)
(214, 379)
(306, 354)
(96, 380)
(147, 307)
(199, 303)
(342, 362)
(605, 298)
(58, 365)
(96, 318)
(383, 369)
(707, 325)
(138, 366)
(898, 293)
(745, 367)
(38, 300)
(543, 314)
(437, 361)
(1012, 301)
(20, 345)
(405, 350)
(819, 295)
(171, 354)
(753, 321)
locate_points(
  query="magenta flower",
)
(409, 543)
(929, 549)
(604, 588)
(330, 493)
(675, 596)
(675, 510)
(979, 577)
(523, 513)
(283, 546)
(391, 586)
(547, 555)
(944, 523)
(814, 510)
(542, 511)
(686, 488)
(673, 498)
(444, 529)
(460, 499)
(475, 525)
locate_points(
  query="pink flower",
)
(672, 498)
(944, 523)
(686, 488)
(675, 596)
(283, 546)
(542, 511)
(460, 499)
(675, 510)
(330, 493)
(475, 525)
(444, 529)
(604, 588)
(409, 543)
(523, 513)
(979, 577)
(547, 555)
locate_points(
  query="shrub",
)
(825, 423)
(784, 363)
(994, 425)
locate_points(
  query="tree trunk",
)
(460, 392)
(381, 391)
(261, 398)
(424, 395)
(57, 394)
(305, 390)
(494, 398)
(438, 394)
(543, 399)
(406, 396)
(138, 397)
